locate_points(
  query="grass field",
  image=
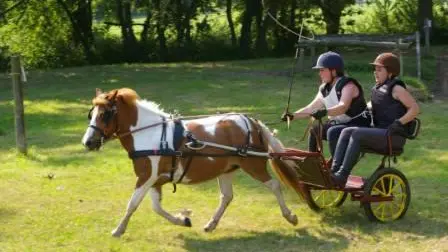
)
(77, 209)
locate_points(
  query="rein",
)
(117, 136)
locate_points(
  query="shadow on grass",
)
(6, 212)
(412, 223)
(302, 240)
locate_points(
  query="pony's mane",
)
(154, 107)
(127, 95)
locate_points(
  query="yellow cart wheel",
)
(324, 199)
(387, 182)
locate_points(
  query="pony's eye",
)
(89, 115)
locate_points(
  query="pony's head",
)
(110, 114)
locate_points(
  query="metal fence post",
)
(418, 52)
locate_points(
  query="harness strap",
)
(242, 151)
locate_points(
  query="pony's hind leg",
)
(275, 187)
(225, 186)
(256, 168)
(156, 197)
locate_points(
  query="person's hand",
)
(396, 128)
(319, 114)
(287, 115)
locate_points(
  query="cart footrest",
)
(355, 182)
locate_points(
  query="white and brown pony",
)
(161, 150)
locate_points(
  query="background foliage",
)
(55, 33)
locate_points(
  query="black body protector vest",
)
(385, 108)
(356, 113)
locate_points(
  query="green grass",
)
(77, 209)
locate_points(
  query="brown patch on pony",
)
(127, 110)
(227, 133)
(142, 169)
(125, 100)
(256, 166)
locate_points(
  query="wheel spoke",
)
(391, 180)
(318, 196)
(380, 192)
(395, 186)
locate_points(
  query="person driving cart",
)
(339, 97)
(393, 107)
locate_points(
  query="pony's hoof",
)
(211, 225)
(116, 233)
(187, 222)
(293, 219)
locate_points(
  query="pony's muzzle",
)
(92, 144)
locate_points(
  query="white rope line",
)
(289, 30)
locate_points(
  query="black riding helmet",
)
(330, 60)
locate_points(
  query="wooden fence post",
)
(18, 102)
(400, 56)
(301, 59)
(313, 55)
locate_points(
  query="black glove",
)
(287, 115)
(319, 114)
(396, 128)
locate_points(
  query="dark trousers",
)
(330, 133)
(353, 140)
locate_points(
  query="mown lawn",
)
(77, 209)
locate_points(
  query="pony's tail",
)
(284, 169)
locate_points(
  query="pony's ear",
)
(127, 96)
(98, 91)
(114, 95)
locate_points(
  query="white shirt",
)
(332, 100)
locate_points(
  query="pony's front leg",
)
(133, 204)
(225, 186)
(156, 197)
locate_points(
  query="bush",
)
(417, 88)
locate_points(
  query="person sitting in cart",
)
(393, 107)
(339, 97)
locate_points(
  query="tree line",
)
(53, 33)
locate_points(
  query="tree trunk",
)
(179, 13)
(124, 17)
(190, 12)
(145, 31)
(332, 18)
(292, 22)
(280, 34)
(246, 36)
(424, 11)
(81, 21)
(160, 28)
(230, 21)
(332, 11)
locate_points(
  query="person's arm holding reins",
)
(401, 94)
(306, 111)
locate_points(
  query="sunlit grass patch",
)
(62, 198)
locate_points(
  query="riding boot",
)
(341, 176)
(350, 159)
